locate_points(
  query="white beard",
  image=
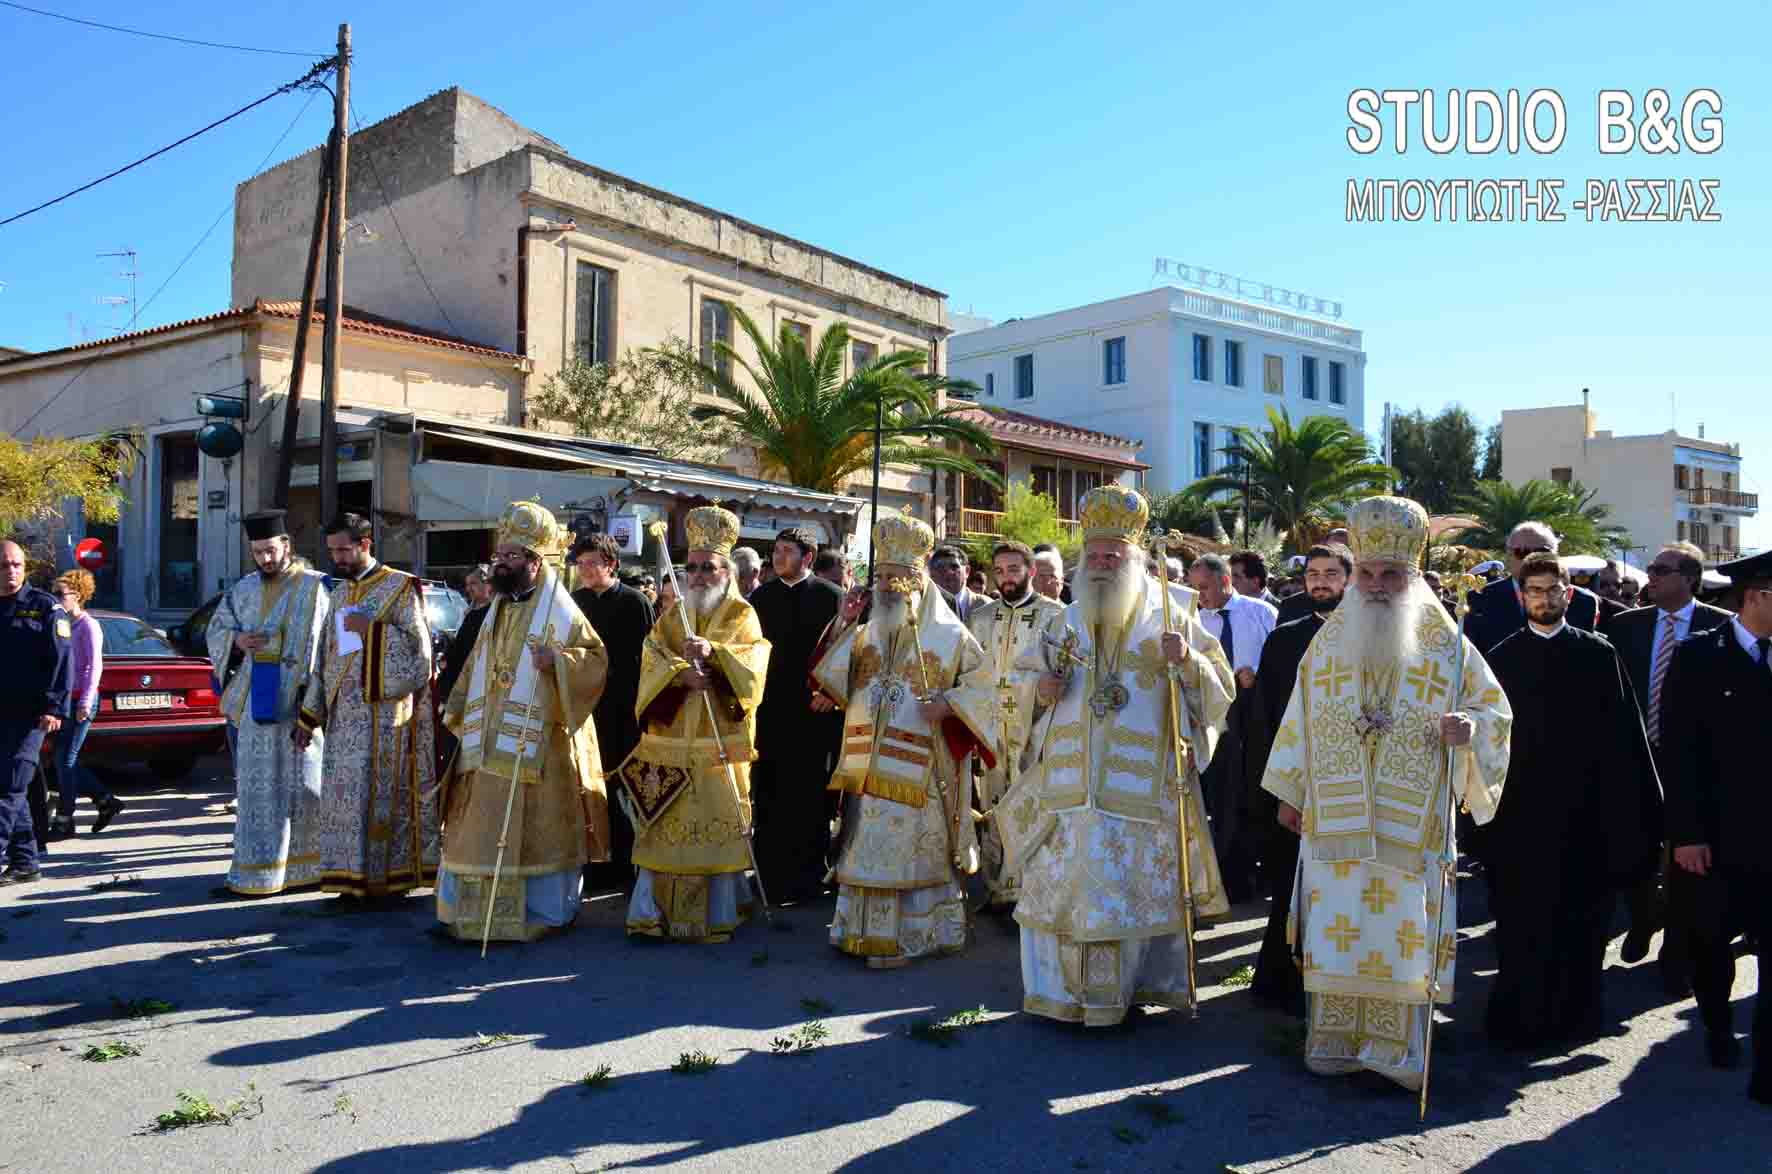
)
(704, 601)
(891, 611)
(1384, 634)
(1107, 598)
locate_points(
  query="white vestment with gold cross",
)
(1010, 635)
(1091, 827)
(1359, 754)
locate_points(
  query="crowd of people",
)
(1109, 759)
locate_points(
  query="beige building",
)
(467, 223)
(1662, 487)
(179, 540)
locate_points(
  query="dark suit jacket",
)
(1496, 613)
(1294, 607)
(1716, 741)
(1633, 634)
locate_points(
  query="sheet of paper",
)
(348, 641)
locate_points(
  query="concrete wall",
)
(1160, 401)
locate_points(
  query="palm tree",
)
(1298, 477)
(1569, 510)
(813, 428)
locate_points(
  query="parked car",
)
(445, 608)
(156, 706)
(191, 637)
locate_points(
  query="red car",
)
(156, 707)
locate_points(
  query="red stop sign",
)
(90, 554)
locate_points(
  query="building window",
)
(1679, 531)
(716, 326)
(1273, 374)
(1024, 377)
(981, 494)
(1337, 382)
(180, 576)
(1202, 450)
(1202, 358)
(1086, 480)
(1562, 474)
(1233, 363)
(1113, 361)
(595, 341)
(990, 385)
(1046, 482)
(799, 331)
(1309, 371)
(1682, 477)
(862, 355)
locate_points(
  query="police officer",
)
(34, 635)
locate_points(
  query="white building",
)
(1174, 368)
(1662, 487)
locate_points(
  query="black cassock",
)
(1580, 818)
(794, 744)
(1277, 977)
(621, 617)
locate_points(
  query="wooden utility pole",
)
(335, 282)
(292, 402)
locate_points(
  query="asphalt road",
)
(357, 1043)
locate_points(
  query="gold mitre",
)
(710, 527)
(1113, 511)
(531, 525)
(903, 541)
(1390, 528)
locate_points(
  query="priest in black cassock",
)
(794, 745)
(1580, 817)
(621, 616)
(1326, 571)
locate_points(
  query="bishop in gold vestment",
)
(688, 783)
(1359, 765)
(522, 708)
(378, 810)
(1092, 826)
(918, 697)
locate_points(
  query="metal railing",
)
(1705, 495)
(961, 523)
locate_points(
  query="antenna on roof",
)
(130, 273)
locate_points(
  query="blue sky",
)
(1023, 159)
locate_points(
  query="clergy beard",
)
(891, 610)
(276, 571)
(704, 600)
(1325, 604)
(1384, 634)
(1107, 598)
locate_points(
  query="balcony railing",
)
(1727, 498)
(1720, 554)
(964, 523)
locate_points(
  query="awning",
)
(456, 492)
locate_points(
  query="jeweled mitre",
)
(902, 540)
(1389, 528)
(1113, 511)
(531, 525)
(710, 527)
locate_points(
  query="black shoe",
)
(1724, 1049)
(1635, 948)
(1675, 983)
(108, 807)
(61, 827)
(20, 876)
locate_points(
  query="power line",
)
(305, 80)
(87, 366)
(156, 36)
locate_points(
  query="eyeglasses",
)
(513, 558)
(1655, 569)
(1529, 551)
(706, 568)
(1543, 592)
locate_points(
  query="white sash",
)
(521, 726)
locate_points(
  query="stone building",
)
(467, 223)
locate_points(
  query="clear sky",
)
(1023, 159)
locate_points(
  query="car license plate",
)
(134, 701)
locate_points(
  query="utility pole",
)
(335, 282)
(303, 327)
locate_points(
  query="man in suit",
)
(1241, 625)
(948, 567)
(1646, 637)
(1497, 611)
(1608, 584)
(1718, 744)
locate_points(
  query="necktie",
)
(1228, 637)
(1764, 644)
(1663, 657)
